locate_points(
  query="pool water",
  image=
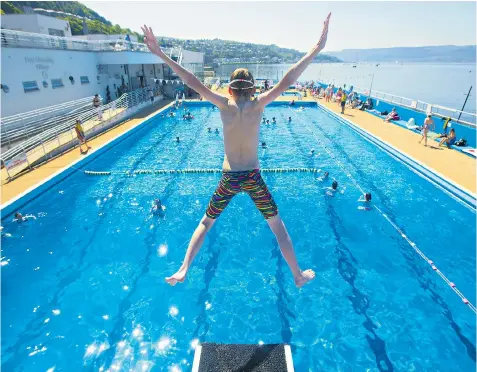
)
(83, 285)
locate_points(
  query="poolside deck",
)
(454, 165)
(457, 167)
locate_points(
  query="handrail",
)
(51, 138)
(21, 39)
(467, 118)
(43, 110)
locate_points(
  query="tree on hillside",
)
(9, 8)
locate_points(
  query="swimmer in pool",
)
(216, 130)
(312, 152)
(188, 116)
(241, 115)
(178, 139)
(209, 129)
(157, 207)
(264, 145)
(292, 103)
(324, 176)
(20, 218)
(366, 198)
(264, 121)
(289, 119)
(171, 114)
(330, 191)
(301, 108)
(274, 121)
(268, 122)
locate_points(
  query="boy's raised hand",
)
(324, 35)
(151, 40)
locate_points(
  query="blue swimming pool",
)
(83, 285)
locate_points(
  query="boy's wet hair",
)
(243, 88)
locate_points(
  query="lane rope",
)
(190, 170)
(385, 216)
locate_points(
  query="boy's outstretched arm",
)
(187, 77)
(295, 71)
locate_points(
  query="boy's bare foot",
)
(178, 277)
(305, 277)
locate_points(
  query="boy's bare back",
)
(241, 126)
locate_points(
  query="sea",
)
(435, 83)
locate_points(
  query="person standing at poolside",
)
(428, 123)
(344, 97)
(81, 136)
(241, 115)
(97, 106)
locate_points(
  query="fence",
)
(22, 126)
(56, 139)
(465, 118)
(20, 39)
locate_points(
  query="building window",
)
(30, 86)
(84, 80)
(57, 83)
(54, 32)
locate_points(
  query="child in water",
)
(330, 191)
(157, 207)
(241, 115)
(366, 199)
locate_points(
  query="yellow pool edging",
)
(453, 165)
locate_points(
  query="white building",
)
(40, 71)
(114, 37)
(36, 23)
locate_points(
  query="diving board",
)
(212, 357)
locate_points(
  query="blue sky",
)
(354, 25)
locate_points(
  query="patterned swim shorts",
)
(233, 183)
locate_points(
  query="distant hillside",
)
(445, 53)
(223, 51)
(73, 12)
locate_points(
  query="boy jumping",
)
(241, 118)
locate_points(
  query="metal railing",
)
(21, 126)
(466, 118)
(20, 39)
(40, 146)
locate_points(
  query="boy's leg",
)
(195, 244)
(224, 193)
(258, 191)
(286, 247)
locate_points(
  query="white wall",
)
(50, 22)
(35, 23)
(106, 37)
(127, 57)
(20, 65)
(21, 22)
(192, 57)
